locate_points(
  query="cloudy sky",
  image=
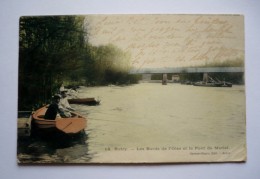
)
(159, 41)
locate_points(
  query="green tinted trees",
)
(111, 65)
(54, 49)
(49, 48)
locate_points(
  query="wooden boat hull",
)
(69, 126)
(86, 101)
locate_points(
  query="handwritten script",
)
(156, 41)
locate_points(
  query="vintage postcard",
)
(125, 88)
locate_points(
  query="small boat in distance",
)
(69, 126)
(86, 101)
(213, 83)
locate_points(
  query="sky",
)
(162, 41)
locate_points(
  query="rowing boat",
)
(86, 101)
(70, 126)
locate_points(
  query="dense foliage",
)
(54, 50)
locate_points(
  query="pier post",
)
(164, 79)
(205, 77)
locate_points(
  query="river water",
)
(150, 122)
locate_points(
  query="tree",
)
(109, 63)
(49, 47)
(53, 49)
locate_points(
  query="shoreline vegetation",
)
(54, 50)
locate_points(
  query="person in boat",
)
(53, 108)
(62, 88)
(71, 92)
(64, 104)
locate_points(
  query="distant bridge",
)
(147, 72)
(188, 70)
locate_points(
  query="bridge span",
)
(188, 70)
(148, 72)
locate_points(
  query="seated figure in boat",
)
(71, 92)
(64, 104)
(62, 88)
(55, 109)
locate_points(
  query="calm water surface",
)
(149, 115)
